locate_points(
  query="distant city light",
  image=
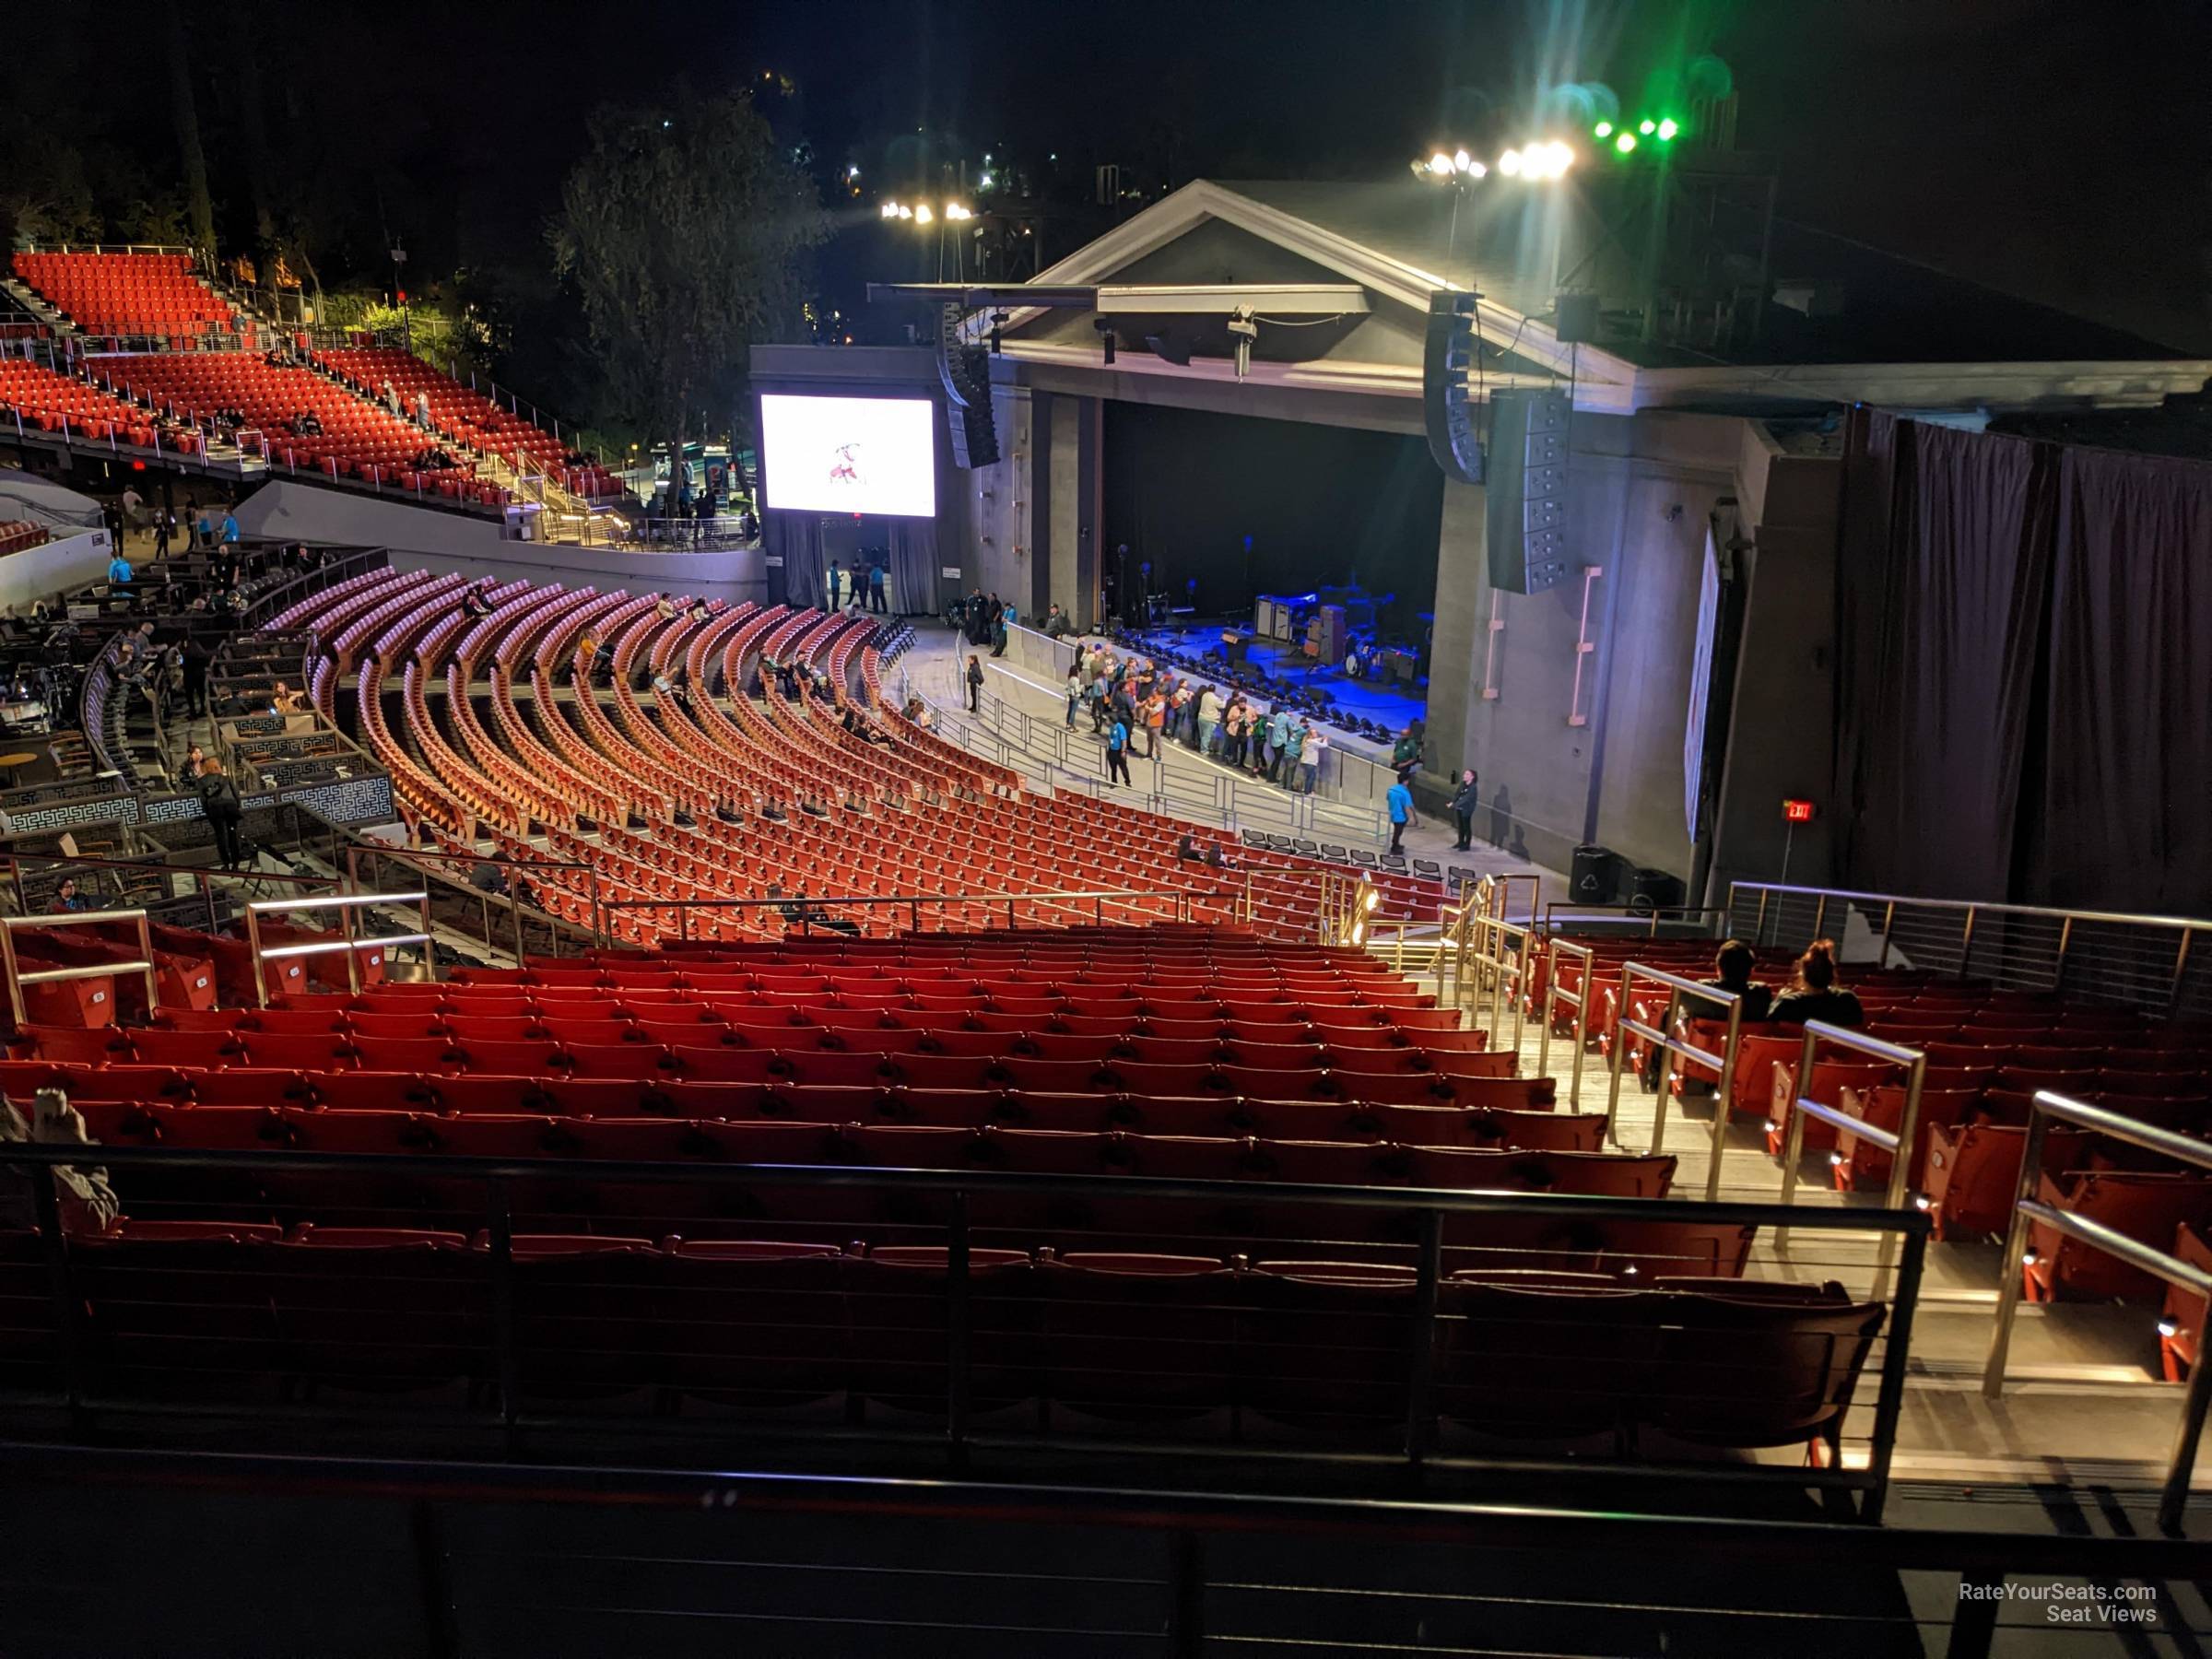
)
(1510, 164)
(1440, 164)
(1462, 161)
(922, 214)
(851, 173)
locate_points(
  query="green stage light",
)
(1647, 126)
(1667, 129)
(1625, 143)
(1603, 129)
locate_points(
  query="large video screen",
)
(848, 455)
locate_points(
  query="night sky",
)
(2058, 151)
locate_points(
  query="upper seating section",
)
(356, 439)
(56, 402)
(135, 295)
(464, 414)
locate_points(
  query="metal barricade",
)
(347, 905)
(1898, 1145)
(2046, 1108)
(1669, 1046)
(1578, 1000)
(18, 978)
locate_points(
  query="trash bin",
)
(1595, 876)
(1651, 889)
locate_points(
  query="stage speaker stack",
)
(1527, 500)
(965, 371)
(1447, 355)
(1329, 634)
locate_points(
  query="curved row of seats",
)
(1208, 1344)
(623, 784)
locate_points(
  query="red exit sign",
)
(1797, 812)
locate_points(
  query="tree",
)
(684, 233)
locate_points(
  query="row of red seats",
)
(1316, 1347)
(17, 535)
(1380, 1084)
(1525, 1121)
(58, 402)
(132, 294)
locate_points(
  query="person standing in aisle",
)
(1117, 752)
(1464, 800)
(975, 685)
(1400, 802)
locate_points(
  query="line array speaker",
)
(1526, 503)
(1447, 355)
(965, 371)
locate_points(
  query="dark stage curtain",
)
(2022, 673)
(913, 568)
(798, 537)
(2126, 809)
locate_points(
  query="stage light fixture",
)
(922, 214)
(1510, 164)
(1625, 143)
(1440, 164)
(1462, 161)
(1647, 126)
(891, 210)
(1667, 129)
(1603, 129)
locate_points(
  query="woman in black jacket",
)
(1813, 993)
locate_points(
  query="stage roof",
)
(1851, 322)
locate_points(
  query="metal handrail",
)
(498, 1174)
(18, 978)
(347, 905)
(1557, 911)
(1898, 1144)
(2049, 1106)
(1577, 1000)
(1971, 904)
(1670, 1045)
(913, 902)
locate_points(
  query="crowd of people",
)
(1140, 707)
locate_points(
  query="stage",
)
(1389, 703)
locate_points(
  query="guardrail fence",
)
(2029, 1210)
(1626, 1024)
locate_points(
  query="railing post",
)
(1966, 942)
(1619, 1044)
(1890, 1399)
(67, 1310)
(1758, 929)
(1724, 1100)
(2012, 1263)
(957, 1315)
(507, 1361)
(1793, 1138)
(2174, 1499)
(2058, 968)
(2180, 967)
(1420, 1396)
(1888, 931)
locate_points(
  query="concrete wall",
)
(54, 568)
(1781, 724)
(999, 516)
(1558, 766)
(420, 538)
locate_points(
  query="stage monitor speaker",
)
(1526, 505)
(965, 371)
(1447, 355)
(1574, 318)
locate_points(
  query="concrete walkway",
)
(934, 667)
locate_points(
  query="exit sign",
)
(1797, 812)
